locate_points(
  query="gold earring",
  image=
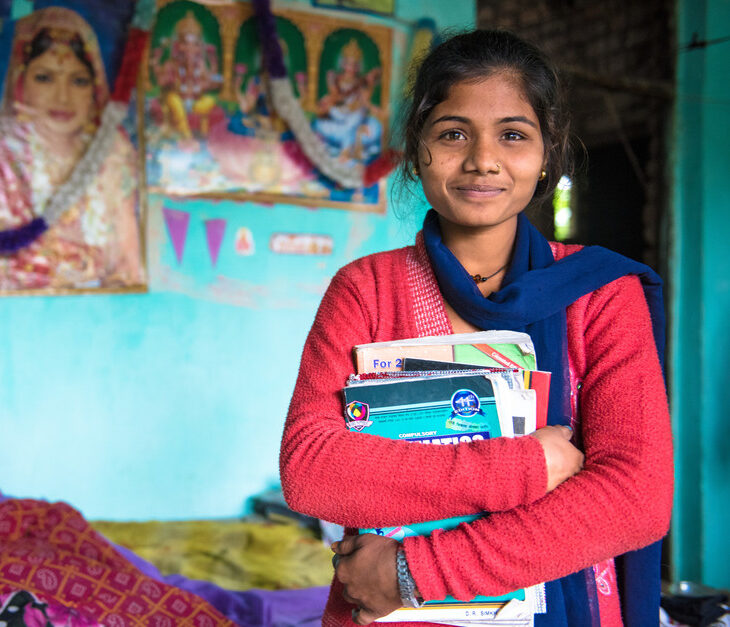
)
(542, 176)
(415, 171)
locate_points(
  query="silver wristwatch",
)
(406, 584)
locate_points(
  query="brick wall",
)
(617, 60)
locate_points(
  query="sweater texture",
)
(619, 502)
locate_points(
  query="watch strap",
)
(406, 583)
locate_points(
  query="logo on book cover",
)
(465, 404)
(356, 415)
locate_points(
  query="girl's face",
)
(60, 88)
(486, 153)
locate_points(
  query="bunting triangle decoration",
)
(177, 228)
(214, 232)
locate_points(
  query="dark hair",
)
(42, 42)
(475, 56)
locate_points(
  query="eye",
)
(81, 81)
(452, 135)
(512, 136)
(42, 77)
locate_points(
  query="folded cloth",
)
(248, 608)
(23, 609)
(51, 551)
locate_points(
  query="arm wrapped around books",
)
(619, 502)
(366, 481)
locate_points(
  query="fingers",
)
(565, 431)
(345, 546)
(25, 110)
(361, 616)
(562, 458)
(365, 566)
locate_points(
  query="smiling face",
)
(61, 90)
(481, 153)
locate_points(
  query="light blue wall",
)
(170, 404)
(700, 304)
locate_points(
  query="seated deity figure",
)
(187, 77)
(346, 116)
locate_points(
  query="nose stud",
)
(496, 168)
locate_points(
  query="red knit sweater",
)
(620, 501)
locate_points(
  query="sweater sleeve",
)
(619, 502)
(361, 480)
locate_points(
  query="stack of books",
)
(449, 390)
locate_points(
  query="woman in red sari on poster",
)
(55, 92)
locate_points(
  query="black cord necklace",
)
(478, 278)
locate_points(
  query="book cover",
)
(537, 380)
(484, 348)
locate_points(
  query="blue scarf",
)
(535, 293)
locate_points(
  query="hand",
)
(38, 119)
(366, 569)
(562, 458)
(26, 112)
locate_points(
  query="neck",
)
(60, 144)
(482, 250)
(62, 152)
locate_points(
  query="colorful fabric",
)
(234, 554)
(534, 295)
(49, 550)
(94, 243)
(621, 501)
(23, 609)
(248, 608)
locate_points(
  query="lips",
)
(473, 190)
(61, 116)
(478, 188)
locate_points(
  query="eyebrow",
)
(451, 118)
(518, 118)
(463, 120)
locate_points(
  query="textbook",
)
(500, 612)
(538, 380)
(506, 349)
(448, 408)
(516, 379)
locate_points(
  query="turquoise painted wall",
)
(700, 303)
(170, 404)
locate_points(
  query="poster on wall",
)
(208, 123)
(386, 7)
(69, 209)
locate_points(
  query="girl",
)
(486, 134)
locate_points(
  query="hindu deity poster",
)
(212, 124)
(386, 7)
(69, 210)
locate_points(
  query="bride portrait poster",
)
(215, 123)
(69, 205)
